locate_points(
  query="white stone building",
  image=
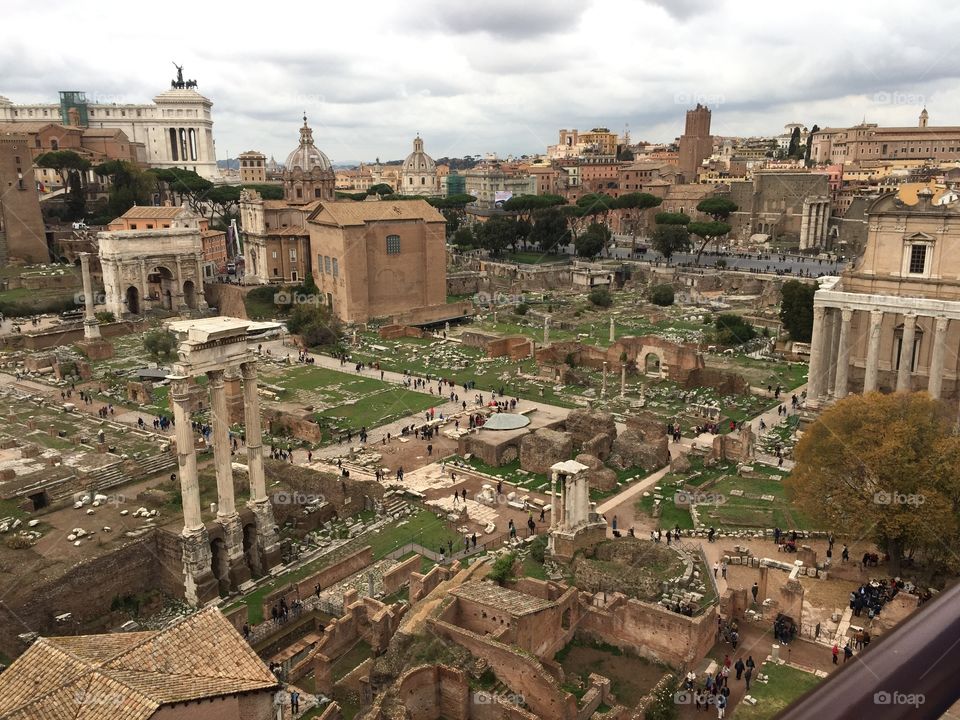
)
(418, 176)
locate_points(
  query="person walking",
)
(294, 702)
(716, 568)
(739, 667)
(847, 652)
(836, 653)
(755, 591)
(721, 706)
(723, 569)
(747, 675)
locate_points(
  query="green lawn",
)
(530, 257)
(786, 685)
(424, 528)
(380, 408)
(670, 515)
(350, 659)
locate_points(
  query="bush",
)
(502, 568)
(601, 297)
(733, 330)
(661, 295)
(160, 343)
(521, 309)
(105, 316)
(315, 325)
(538, 548)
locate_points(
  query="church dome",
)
(418, 161)
(307, 156)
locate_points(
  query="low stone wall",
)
(433, 313)
(515, 347)
(228, 299)
(392, 332)
(326, 577)
(282, 424)
(68, 335)
(423, 585)
(399, 575)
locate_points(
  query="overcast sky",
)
(495, 76)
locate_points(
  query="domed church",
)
(418, 175)
(307, 174)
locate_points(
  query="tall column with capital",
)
(935, 384)
(199, 584)
(817, 341)
(144, 287)
(843, 355)
(259, 504)
(91, 328)
(612, 330)
(873, 351)
(226, 506)
(832, 352)
(178, 301)
(906, 352)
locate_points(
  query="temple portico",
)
(227, 563)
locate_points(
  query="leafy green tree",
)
(380, 189)
(596, 204)
(70, 168)
(549, 230)
(222, 201)
(885, 467)
(638, 202)
(160, 343)
(732, 329)
(463, 237)
(575, 217)
(793, 149)
(502, 568)
(601, 297)
(315, 324)
(267, 192)
(129, 186)
(497, 234)
(809, 146)
(527, 205)
(719, 209)
(796, 309)
(707, 231)
(179, 185)
(453, 208)
(670, 239)
(593, 240)
(671, 218)
(662, 295)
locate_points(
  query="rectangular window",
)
(393, 244)
(320, 262)
(336, 268)
(293, 255)
(274, 253)
(918, 259)
(327, 265)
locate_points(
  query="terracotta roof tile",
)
(147, 212)
(351, 212)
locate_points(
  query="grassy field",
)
(786, 685)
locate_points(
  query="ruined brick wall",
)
(423, 585)
(228, 299)
(515, 347)
(393, 332)
(723, 381)
(399, 575)
(521, 673)
(330, 575)
(285, 424)
(252, 706)
(86, 590)
(651, 630)
(435, 691)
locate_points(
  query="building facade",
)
(892, 322)
(696, 143)
(176, 130)
(253, 167)
(790, 206)
(22, 234)
(870, 142)
(380, 258)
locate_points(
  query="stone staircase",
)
(394, 504)
(112, 475)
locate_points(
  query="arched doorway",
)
(251, 550)
(190, 294)
(161, 285)
(651, 364)
(220, 565)
(133, 300)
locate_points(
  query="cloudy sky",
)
(496, 76)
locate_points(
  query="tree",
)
(70, 168)
(796, 309)
(885, 467)
(601, 297)
(719, 209)
(129, 186)
(671, 218)
(315, 324)
(707, 231)
(463, 238)
(595, 204)
(160, 343)
(502, 568)
(222, 200)
(549, 230)
(183, 184)
(793, 149)
(452, 207)
(380, 189)
(593, 240)
(733, 330)
(527, 205)
(575, 217)
(267, 192)
(639, 202)
(497, 234)
(662, 295)
(670, 239)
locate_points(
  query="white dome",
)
(307, 156)
(418, 161)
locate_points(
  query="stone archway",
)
(133, 300)
(190, 294)
(220, 565)
(163, 286)
(651, 364)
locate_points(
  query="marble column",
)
(612, 330)
(546, 330)
(144, 292)
(833, 352)
(935, 384)
(563, 499)
(817, 341)
(873, 351)
(805, 218)
(553, 499)
(219, 419)
(186, 456)
(268, 555)
(824, 224)
(623, 379)
(91, 328)
(178, 298)
(906, 352)
(843, 355)
(603, 388)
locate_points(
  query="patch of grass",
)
(424, 528)
(535, 258)
(786, 685)
(350, 659)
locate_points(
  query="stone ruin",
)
(643, 444)
(542, 448)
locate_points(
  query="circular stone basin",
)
(506, 421)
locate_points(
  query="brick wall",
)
(399, 575)
(326, 577)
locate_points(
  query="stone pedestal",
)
(268, 534)
(96, 349)
(200, 586)
(233, 539)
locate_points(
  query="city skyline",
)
(506, 80)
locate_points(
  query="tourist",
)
(473, 541)
(716, 568)
(847, 652)
(614, 524)
(699, 700)
(734, 639)
(739, 667)
(543, 514)
(835, 652)
(721, 706)
(710, 535)
(748, 674)
(246, 631)
(755, 590)
(723, 570)
(845, 554)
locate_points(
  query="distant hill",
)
(229, 164)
